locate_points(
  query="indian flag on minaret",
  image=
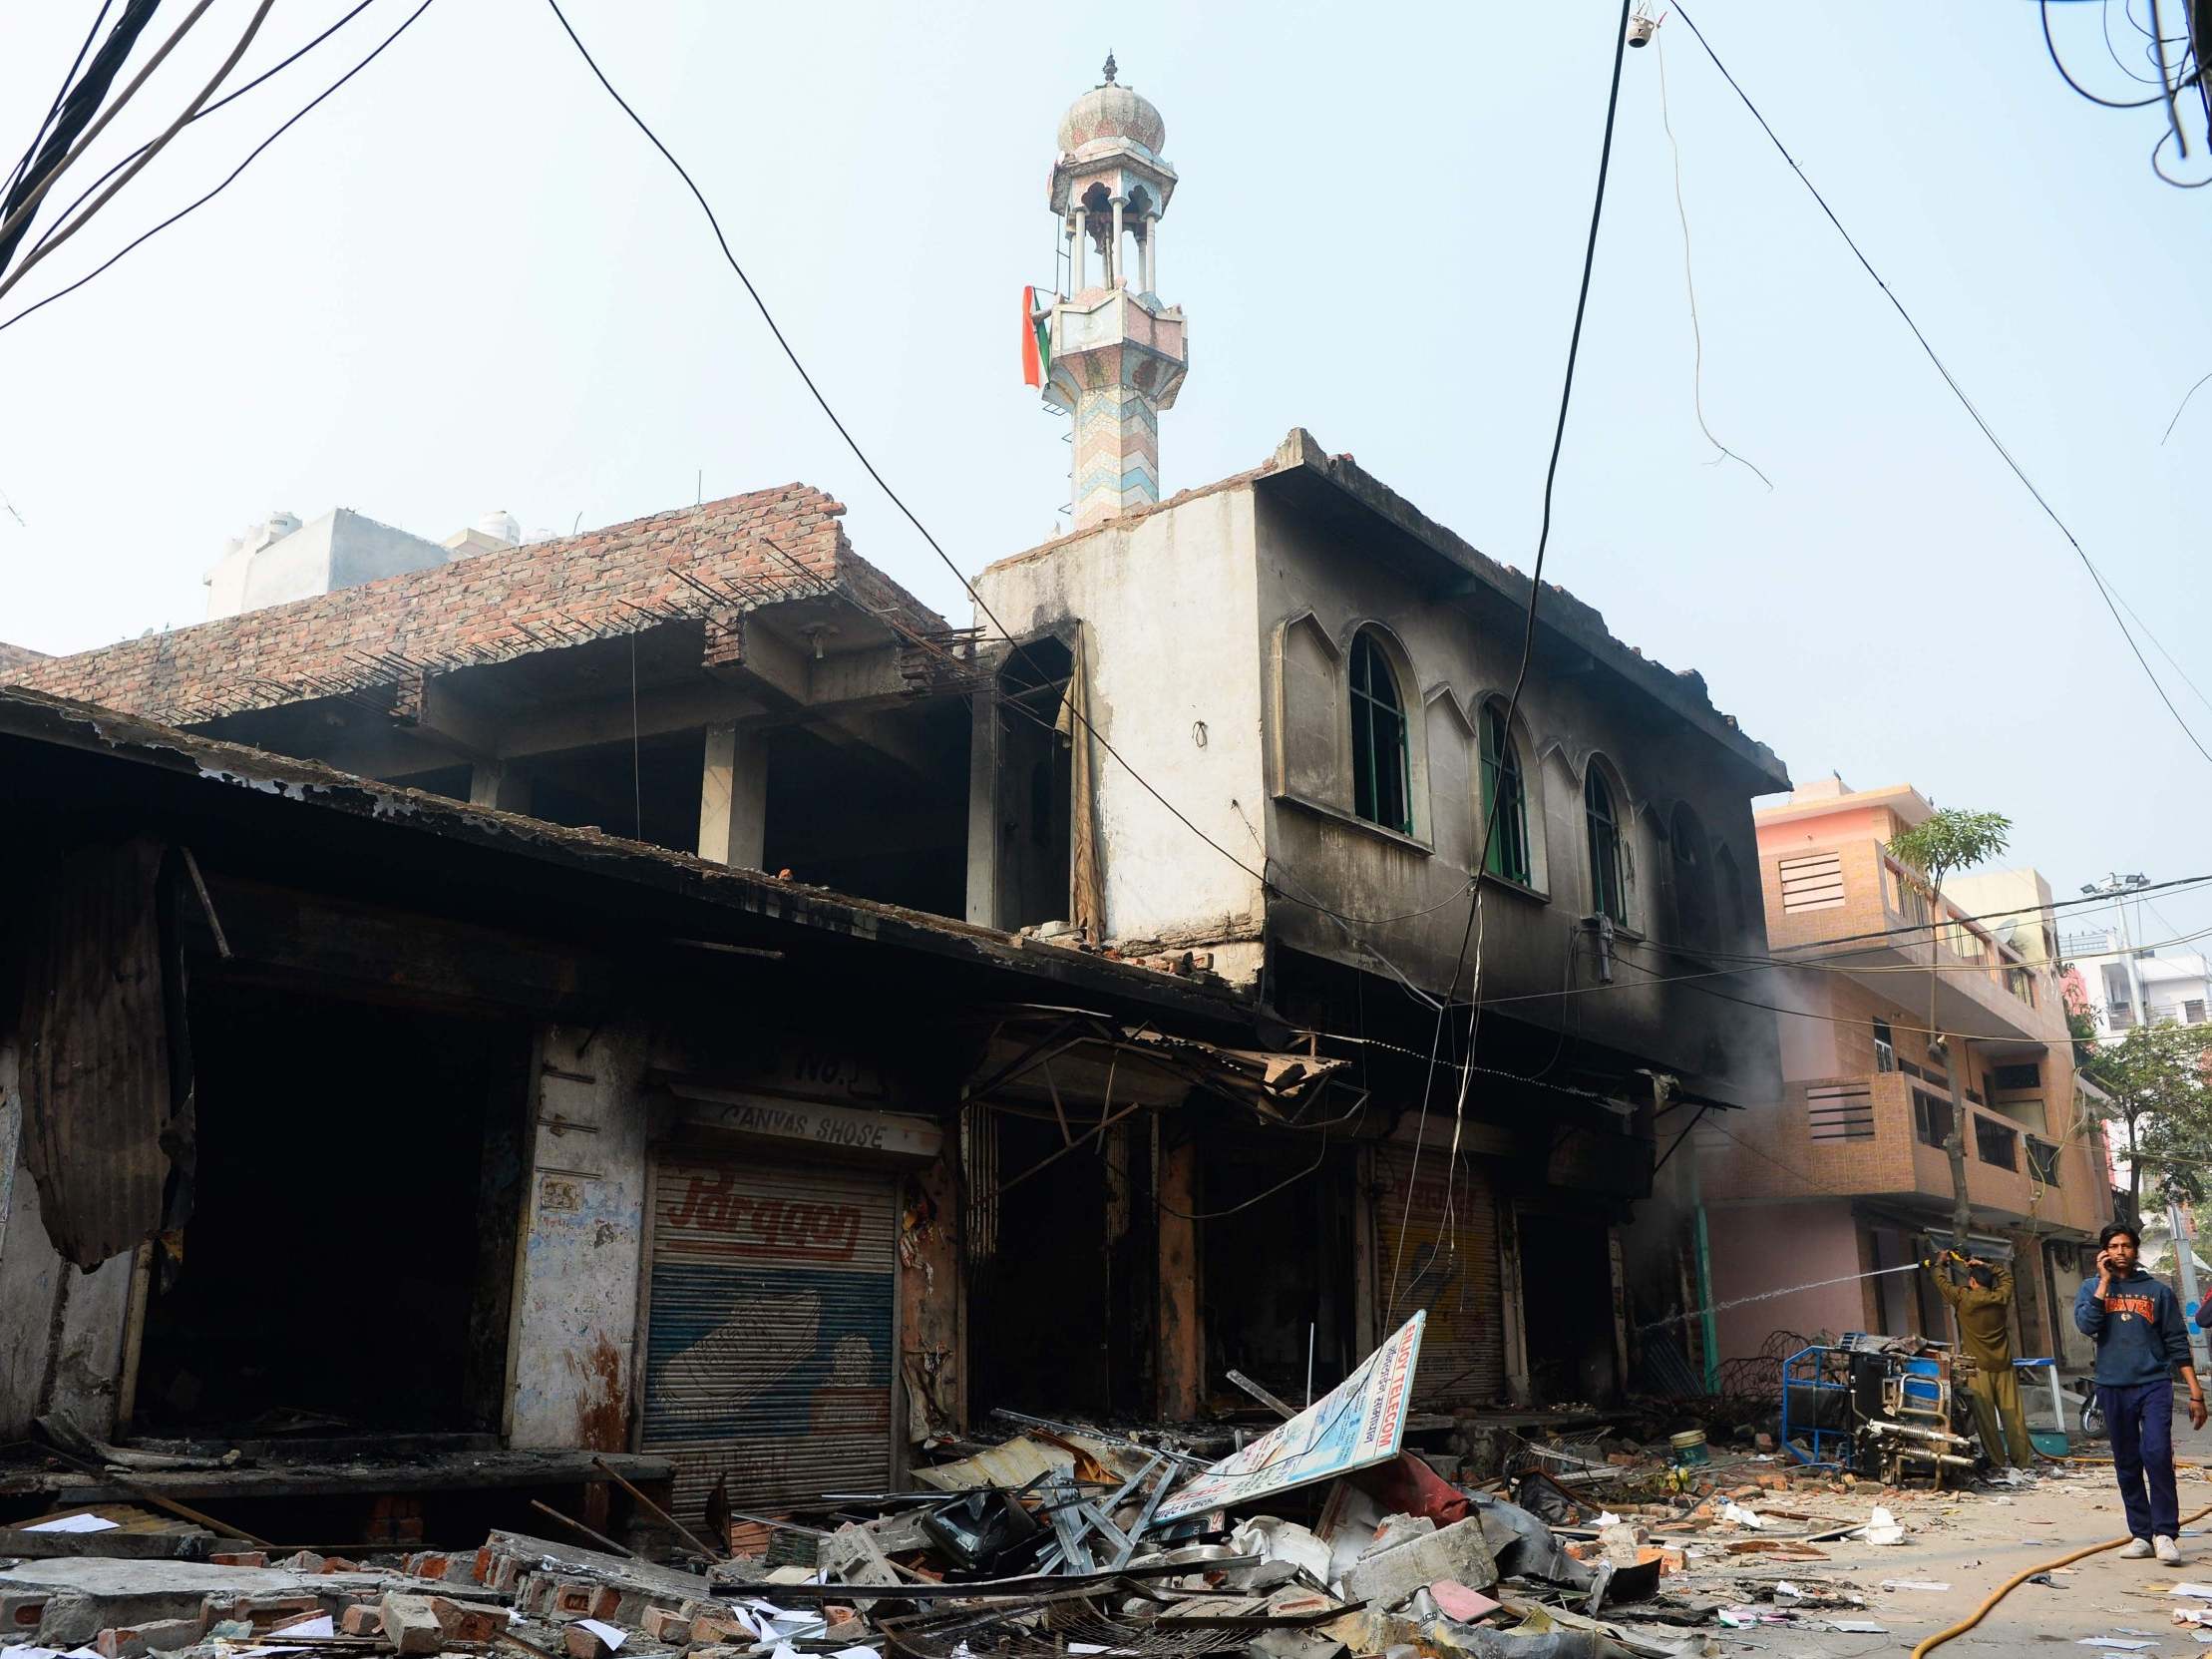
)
(1037, 340)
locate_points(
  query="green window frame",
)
(1607, 887)
(1504, 799)
(1380, 760)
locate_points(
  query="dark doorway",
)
(347, 1263)
(1061, 1273)
(1034, 826)
(1893, 1299)
(648, 791)
(877, 808)
(1566, 1307)
(1277, 1266)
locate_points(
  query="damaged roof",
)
(487, 607)
(320, 797)
(1335, 484)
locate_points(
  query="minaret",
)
(1117, 352)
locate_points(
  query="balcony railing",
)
(1857, 902)
(1883, 1134)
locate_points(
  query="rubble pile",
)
(1322, 1538)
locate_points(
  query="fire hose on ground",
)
(2021, 1577)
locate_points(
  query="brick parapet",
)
(488, 607)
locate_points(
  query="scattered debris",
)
(1322, 1538)
(1881, 1529)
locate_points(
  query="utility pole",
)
(2118, 887)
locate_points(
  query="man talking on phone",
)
(2141, 1338)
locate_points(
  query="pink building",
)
(1847, 1172)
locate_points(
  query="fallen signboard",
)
(1359, 1422)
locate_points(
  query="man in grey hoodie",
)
(2141, 1338)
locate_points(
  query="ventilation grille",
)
(1812, 883)
(1840, 1111)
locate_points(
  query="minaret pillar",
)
(1117, 353)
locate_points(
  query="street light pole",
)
(2184, 1248)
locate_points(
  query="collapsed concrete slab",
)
(1459, 1551)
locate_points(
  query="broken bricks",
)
(411, 1624)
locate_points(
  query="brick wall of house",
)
(488, 607)
(1769, 1152)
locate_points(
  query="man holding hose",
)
(2140, 1337)
(1981, 1304)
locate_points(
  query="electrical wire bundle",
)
(2175, 79)
(82, 109)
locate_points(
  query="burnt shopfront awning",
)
(1093, 1151)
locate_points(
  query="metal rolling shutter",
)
(769, 1331)
(1452, 1271)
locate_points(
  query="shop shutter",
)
(769, 1329)
(1449, 1266)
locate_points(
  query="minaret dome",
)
(1116, 350)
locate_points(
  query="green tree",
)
(1936, 848)
(2080, 1020)
(2161, 1080)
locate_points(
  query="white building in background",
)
(281, 560)
(2130, 988)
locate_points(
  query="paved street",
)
(1973, 1543)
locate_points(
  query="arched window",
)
(1731, 883)
(1692, 880)
(1504, 799)
(1378, 743)
(1609, 888)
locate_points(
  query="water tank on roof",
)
(501, 526)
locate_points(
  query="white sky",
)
(466, 282)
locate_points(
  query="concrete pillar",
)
(500, 785)
(733, 798)
(1082, 251)
(1152, 239)
(1113, 260)
(1182, 1340)
(982, 811)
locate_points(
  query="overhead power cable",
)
(1827, 964)
(1017, 648)
(231, 176)
(55, 237)
(2171, 82)
(227, 98)
(1472, 933)
(1690, 282)
(1958, 391)
(81, 118)
(1696, 982)
(2179, 408)
(2058, 63)
(2094, 899)
(61, 93)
